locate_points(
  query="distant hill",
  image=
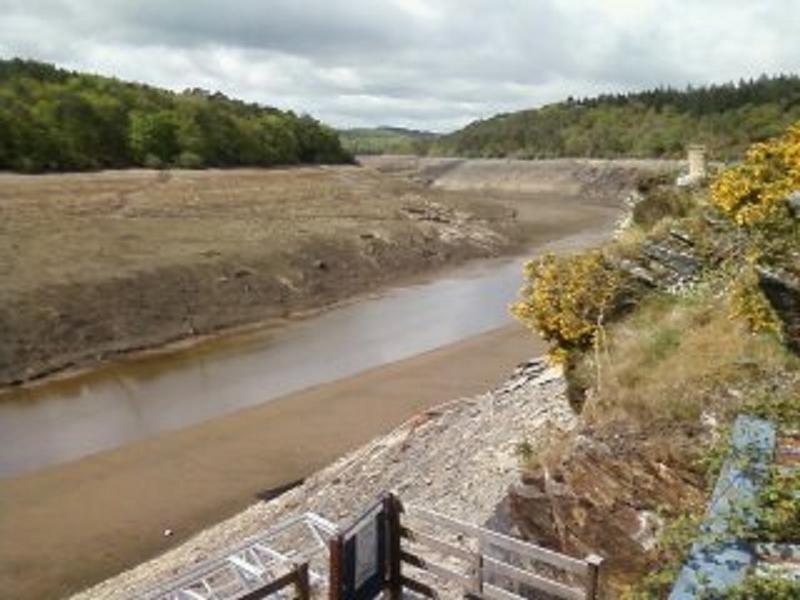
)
(386, 140)
(655, 123)
(52, 119)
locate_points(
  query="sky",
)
(426, 64)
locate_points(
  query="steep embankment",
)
(700, 326)
(112, 262)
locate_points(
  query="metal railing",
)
(263, 565)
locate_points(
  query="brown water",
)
(134, 399)
(67, 419)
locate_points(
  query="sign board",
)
(364, 556)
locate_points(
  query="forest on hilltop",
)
(386, 140)
(657, 123)
(52, 119)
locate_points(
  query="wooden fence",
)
(419, 550)
(492, 565)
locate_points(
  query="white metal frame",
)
(250, 565)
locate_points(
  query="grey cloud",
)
(423, 63)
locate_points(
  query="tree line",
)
(386, 140)
(656, 123)
(52, 119)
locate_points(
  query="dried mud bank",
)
(95, 265)
(459, 458)
(98, 269)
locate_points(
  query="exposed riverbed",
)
(64, 420)
(181, 440)
(69, 418)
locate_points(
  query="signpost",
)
(359, 556)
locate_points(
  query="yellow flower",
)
(757, 189)
(565, 298)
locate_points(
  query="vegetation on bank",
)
(386, 140)
(655, 123)
(52, 119)
(690, 356)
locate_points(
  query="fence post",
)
(392, 509)
(479, 572)
(336, 550)
(302, 582)
(593, 563)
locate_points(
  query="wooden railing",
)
(492, 565)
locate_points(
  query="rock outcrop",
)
(604, 494)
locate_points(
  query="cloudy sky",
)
(428, 64)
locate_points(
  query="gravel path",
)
(458, 459)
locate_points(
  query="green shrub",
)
(662, 202)
(765, 588)
(151, 161)
(189, 160)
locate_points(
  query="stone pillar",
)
(697, 162)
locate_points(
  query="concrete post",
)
(697, 161)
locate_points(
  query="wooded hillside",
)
(386, 140)
(52, 119)
(656, 123)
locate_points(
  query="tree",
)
(153, 135)
(52, 119)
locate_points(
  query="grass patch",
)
(675, 358)
(662, 202)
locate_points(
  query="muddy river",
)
(69, 418)
(133, 399)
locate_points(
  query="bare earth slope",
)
(95, 264)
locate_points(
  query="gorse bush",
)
(757, 190)
(749, 304)
(566, 300)
(755, 195)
